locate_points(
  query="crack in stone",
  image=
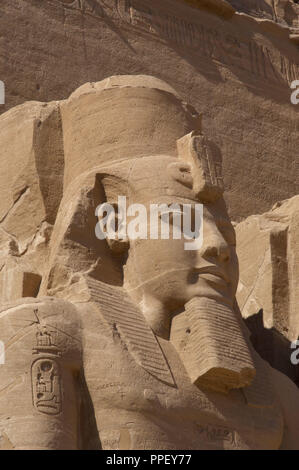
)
(20, 196)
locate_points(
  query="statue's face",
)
(165, 270)
(161, 274)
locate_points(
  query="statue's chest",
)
(135, 409)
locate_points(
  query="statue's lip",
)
(214, 270)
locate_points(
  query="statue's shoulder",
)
(279, 397)
(29, 326)
(41, 342)
(27, 311)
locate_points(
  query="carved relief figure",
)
(167, 362)
(46, 386)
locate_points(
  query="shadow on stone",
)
(272, 346)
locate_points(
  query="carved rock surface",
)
(236, 71)
(285, 12)
(31, 179)
(268, 251)
(132, 343)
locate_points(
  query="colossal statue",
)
(135, 343)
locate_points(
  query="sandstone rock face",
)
(220, 7)
(268, 256)
(268, 288)
(282, 11)
(128, 342)
(236, 69)
(31, 178)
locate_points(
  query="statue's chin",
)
(219, 293)
(159, 316)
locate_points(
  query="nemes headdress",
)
(124, 118)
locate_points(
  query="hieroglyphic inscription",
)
(92, 7)
(218, 435)
(45, 373)
(226, 438)
(46, 386)
(230, 50)
(224, 47)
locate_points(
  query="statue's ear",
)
(111, 225)
(181, 172)
(120, 244)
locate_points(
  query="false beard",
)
(211, 343)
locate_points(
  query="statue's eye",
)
(176, 219)
(173, 215)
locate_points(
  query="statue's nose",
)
(215, 248)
